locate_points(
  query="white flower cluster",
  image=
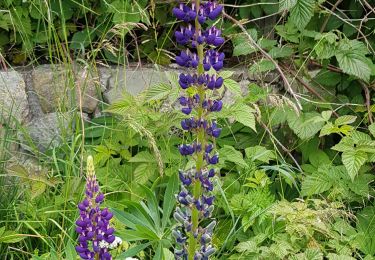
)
(113, 245)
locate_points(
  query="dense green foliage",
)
(297, 166)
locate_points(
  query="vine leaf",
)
(353, 160)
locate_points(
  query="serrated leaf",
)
(286, 4)
(143, 172)
(371, 128)
(247, 247)
(244, 114)
(225, 74)
(262, 66)
(353, 160)
(345, 120)
(233, 86)
(280, 52)
(302, 13)
(244, 48)
(158, 91)
(228, 153)
(302, 129)
(260, 153)
(354, 64)
(143, 156)
(315, 184)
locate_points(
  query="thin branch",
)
(265, 54)
(286, 150)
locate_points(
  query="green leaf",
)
(281, 52)
(371, 128)
(262, 66)
(233, 86)
(144, 172)
(143, 156)
(244, 48)
(302, 13)
(260, 153)
(286, 4)
(228, 153)
(169, 198)
(345, 120)
(158, 91)
(354, 64)
(366, 230)
(134, 250)
(247, 247)
(70, 252)
(11, 237)
(244, 114)
(315, 184)
(81, 39)
(302, 126)
(353, 160)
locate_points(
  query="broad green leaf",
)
(352, 60)
(345, 120)
(143, 156)
(371, 128)
(286, 4)
(302, 129)
(353, 160)
(262, 66)
(233, 86)
(247, 247)
(225, 74)
(260, 153)
(228, 153)
(144, 172)
(244, 114)
(244, 48)
(81, 39)
(158, 91)
(315, 184)
(70, 252)
(366, 230)
(280, 52)
(302, 13)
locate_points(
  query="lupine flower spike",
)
(195, 200)
(95, 233)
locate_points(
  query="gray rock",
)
(45, 132)
(55, 86)
(13, 98)
(132, 81)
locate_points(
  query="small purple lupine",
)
(195, 198)
(93, 227)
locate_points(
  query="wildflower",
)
(195, 202)
(95, 233)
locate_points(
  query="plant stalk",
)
(197, 189)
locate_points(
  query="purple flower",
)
(93, 225)
(194, 208)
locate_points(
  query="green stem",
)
(197, 189)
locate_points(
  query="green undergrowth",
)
(296, 151)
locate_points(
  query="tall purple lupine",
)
(95, 232)
(195, 198)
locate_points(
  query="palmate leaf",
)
(302, 13)
(353, 160)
